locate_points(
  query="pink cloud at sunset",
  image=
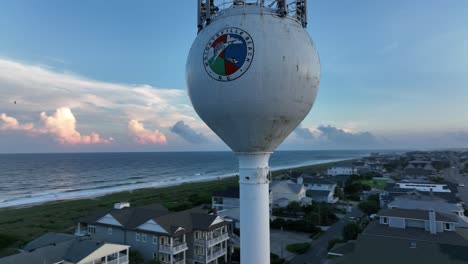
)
(61, 126)
(145, 136)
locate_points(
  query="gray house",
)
(54, 248)
(176, 238)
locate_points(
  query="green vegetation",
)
(315, 214)
(377, 184)
(334, 241)
(299, 248)
(295, 225)
(371, 206)
(275, 259)
(440, 165)
(311, 169)
(20, 225)
(350, 231)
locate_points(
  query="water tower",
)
(252, 76)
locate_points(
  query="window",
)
(199, 250)
(197, 235)
(447, 226)
(109, 230)
(164, 240)
(143, 237)
(384, 220)
(413, 245)
(155, 239)
(155, 255)
(137, 236)
(91, 229)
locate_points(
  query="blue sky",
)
(394, 75)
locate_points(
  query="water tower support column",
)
(254, 207)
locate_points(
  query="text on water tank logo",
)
(228, 54)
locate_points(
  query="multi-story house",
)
(319, 189)
(69, 249)
(285, 192)
(407, 236)
(170, 237)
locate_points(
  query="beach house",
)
(189, 236)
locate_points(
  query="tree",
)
(135, 257)
(350, 231)
(369, 207)
(294, 207)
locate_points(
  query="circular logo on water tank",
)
(228, 54)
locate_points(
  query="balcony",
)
(211, 242)
(217, 239)
(173, 250)
(121, 260)
(216, 254)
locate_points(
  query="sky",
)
(110, 76)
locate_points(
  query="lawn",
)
(377, 184)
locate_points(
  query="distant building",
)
(229, 199)
(392, 191)
(69, 249)
(406, 236)
(419, 168)
(424, 187)
(170, 237)
(342, 169)
(285, 192)
(319, 189)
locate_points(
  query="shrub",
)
(275, 259)
(299, 248)
(332, 242)
(369, 207)
(350, 231)
(6, 240)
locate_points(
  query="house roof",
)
(316, 193)
(438, 206)
(317, 180)
(406, 246)
(53, 248)
(286, 186)
(416, 214)
(343, 248)
(170, 222)
(48, 239)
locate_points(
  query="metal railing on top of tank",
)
(296, 9)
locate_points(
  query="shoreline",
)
(96, 193)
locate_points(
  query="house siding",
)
(396, 222)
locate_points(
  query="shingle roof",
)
(317, 180)
(48, 239)
(72, 250)
(132, 218)
(416, 214)
(285, 186)
(316, 193)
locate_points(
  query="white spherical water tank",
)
(252, 76)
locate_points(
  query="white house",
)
(424, 187)
(338, 169)
(284, 192)
(319, 189)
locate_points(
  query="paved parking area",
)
(279, 241)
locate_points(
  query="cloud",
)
(144, 136)
(306, 133)
(61, 126)
(346, 137)
(188, 133)
(10, 123)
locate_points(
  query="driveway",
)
(318, 250)
(279, 240)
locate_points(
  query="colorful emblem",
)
(228, 54)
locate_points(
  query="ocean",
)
(36, 178)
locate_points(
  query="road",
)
(318, 250)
